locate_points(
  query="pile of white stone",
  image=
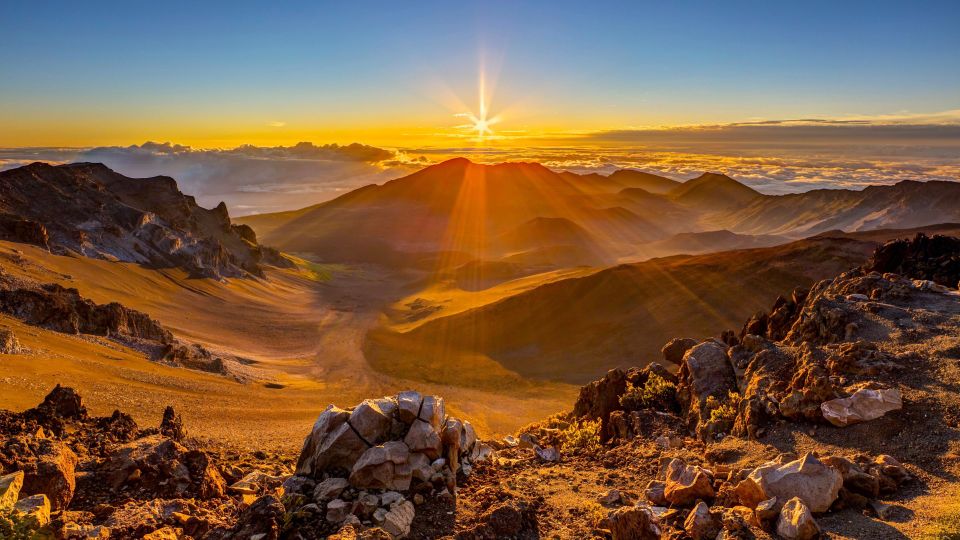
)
(370, 464)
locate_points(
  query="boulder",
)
(172, 425)
(766, 511)
(34, 510)
(52, 474)
(701, 524)
(862, 406)
(10, 485)
(331, 443)
(796, 521)
(372, 419)
(654, 493)
(549, 454)
(674, 350)
(704, 372)
(63, 402)
(601, 397)
(686, 483)
(422, 437)
(807, 478)
(855, 479)
(432, 411)
(408, 402)
(633, 523)
(263, 520)
(337, 510)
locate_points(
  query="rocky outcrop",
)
(163, 468)
(934, 258)
(65, 310)
(9, 344)
(88, 209)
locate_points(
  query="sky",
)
(879, 80)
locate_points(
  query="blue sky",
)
(209, 73)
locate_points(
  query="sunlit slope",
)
(233, 316)
(575, 329)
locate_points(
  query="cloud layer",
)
(774, 157)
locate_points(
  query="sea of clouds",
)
(771, 157)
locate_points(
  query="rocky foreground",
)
(828, 416)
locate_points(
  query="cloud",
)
(276, 124)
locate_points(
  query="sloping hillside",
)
(575, 329)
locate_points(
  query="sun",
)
(482, 125)
(480, 122)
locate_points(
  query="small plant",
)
(723, 413)
(657, 392)
(13, 527)
(580, 436)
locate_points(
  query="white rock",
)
(862, 406)
(815, 483)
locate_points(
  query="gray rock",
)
(422, 437)
(337, 510)
(409, 405)
(372, 419)
(329, 489)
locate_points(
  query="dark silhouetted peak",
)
(648, 182)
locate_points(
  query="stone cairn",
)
(370, 464)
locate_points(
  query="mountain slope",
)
(88, 209)
(452, 207)
(713, 191)
(575, 329)
(903, 205)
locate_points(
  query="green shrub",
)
(723, 413)
(657, 392)
(583, 435)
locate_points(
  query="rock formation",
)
(88, 209)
